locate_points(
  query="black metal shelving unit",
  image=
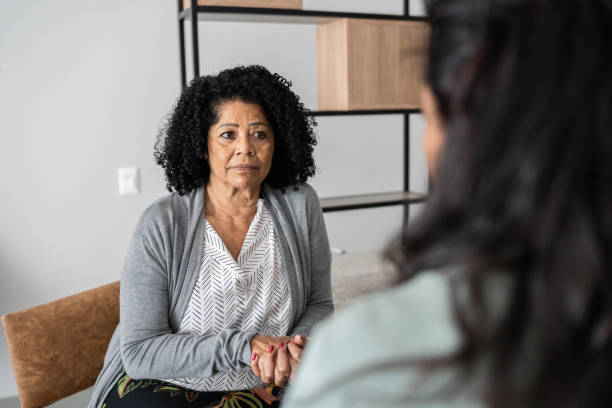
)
(252, 14)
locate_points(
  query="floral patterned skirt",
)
(159, 394)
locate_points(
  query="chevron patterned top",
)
(248, 294)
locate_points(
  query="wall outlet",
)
(129, 180)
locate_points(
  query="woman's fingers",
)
(267, 365)
(260, 344)
(297, 346)
(255, 364)
(276, 363)
(283, 365)
(301, 340)
(295, 351)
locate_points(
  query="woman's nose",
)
(245, 145)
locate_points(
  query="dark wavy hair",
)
(183, 142)
(523, 190)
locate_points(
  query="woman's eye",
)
(227, 135)
(260, 134)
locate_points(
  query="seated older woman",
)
(225, 277)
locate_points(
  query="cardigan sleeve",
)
(319, 303)
(149, 348)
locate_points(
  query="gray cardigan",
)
(159, 274)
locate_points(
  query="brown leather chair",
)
(57, 349)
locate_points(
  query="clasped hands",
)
(275, 359)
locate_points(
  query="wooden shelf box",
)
(370, 64)
(282, 4)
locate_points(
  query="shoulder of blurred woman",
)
(408, 322)
(413, 318)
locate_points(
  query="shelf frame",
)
(365, 112)
(255, 14)
(272, 15)
(406, 159)
(354, 202)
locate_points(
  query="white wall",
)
(84, 87)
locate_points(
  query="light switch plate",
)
(129, 180)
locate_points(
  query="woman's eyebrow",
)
(259, 123)
(227, 124)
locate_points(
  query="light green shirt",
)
(350, 359)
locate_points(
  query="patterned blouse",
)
(247, 294)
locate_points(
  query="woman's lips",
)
(244, 167)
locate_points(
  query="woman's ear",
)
(434, 132)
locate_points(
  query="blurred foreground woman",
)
(506, 292)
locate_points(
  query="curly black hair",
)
(182, 144)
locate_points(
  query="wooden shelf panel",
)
(370, 200)
(370, 64)
(291, 16)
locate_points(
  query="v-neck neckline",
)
(245, 243)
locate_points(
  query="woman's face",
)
(434, 134)
(240, 146)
